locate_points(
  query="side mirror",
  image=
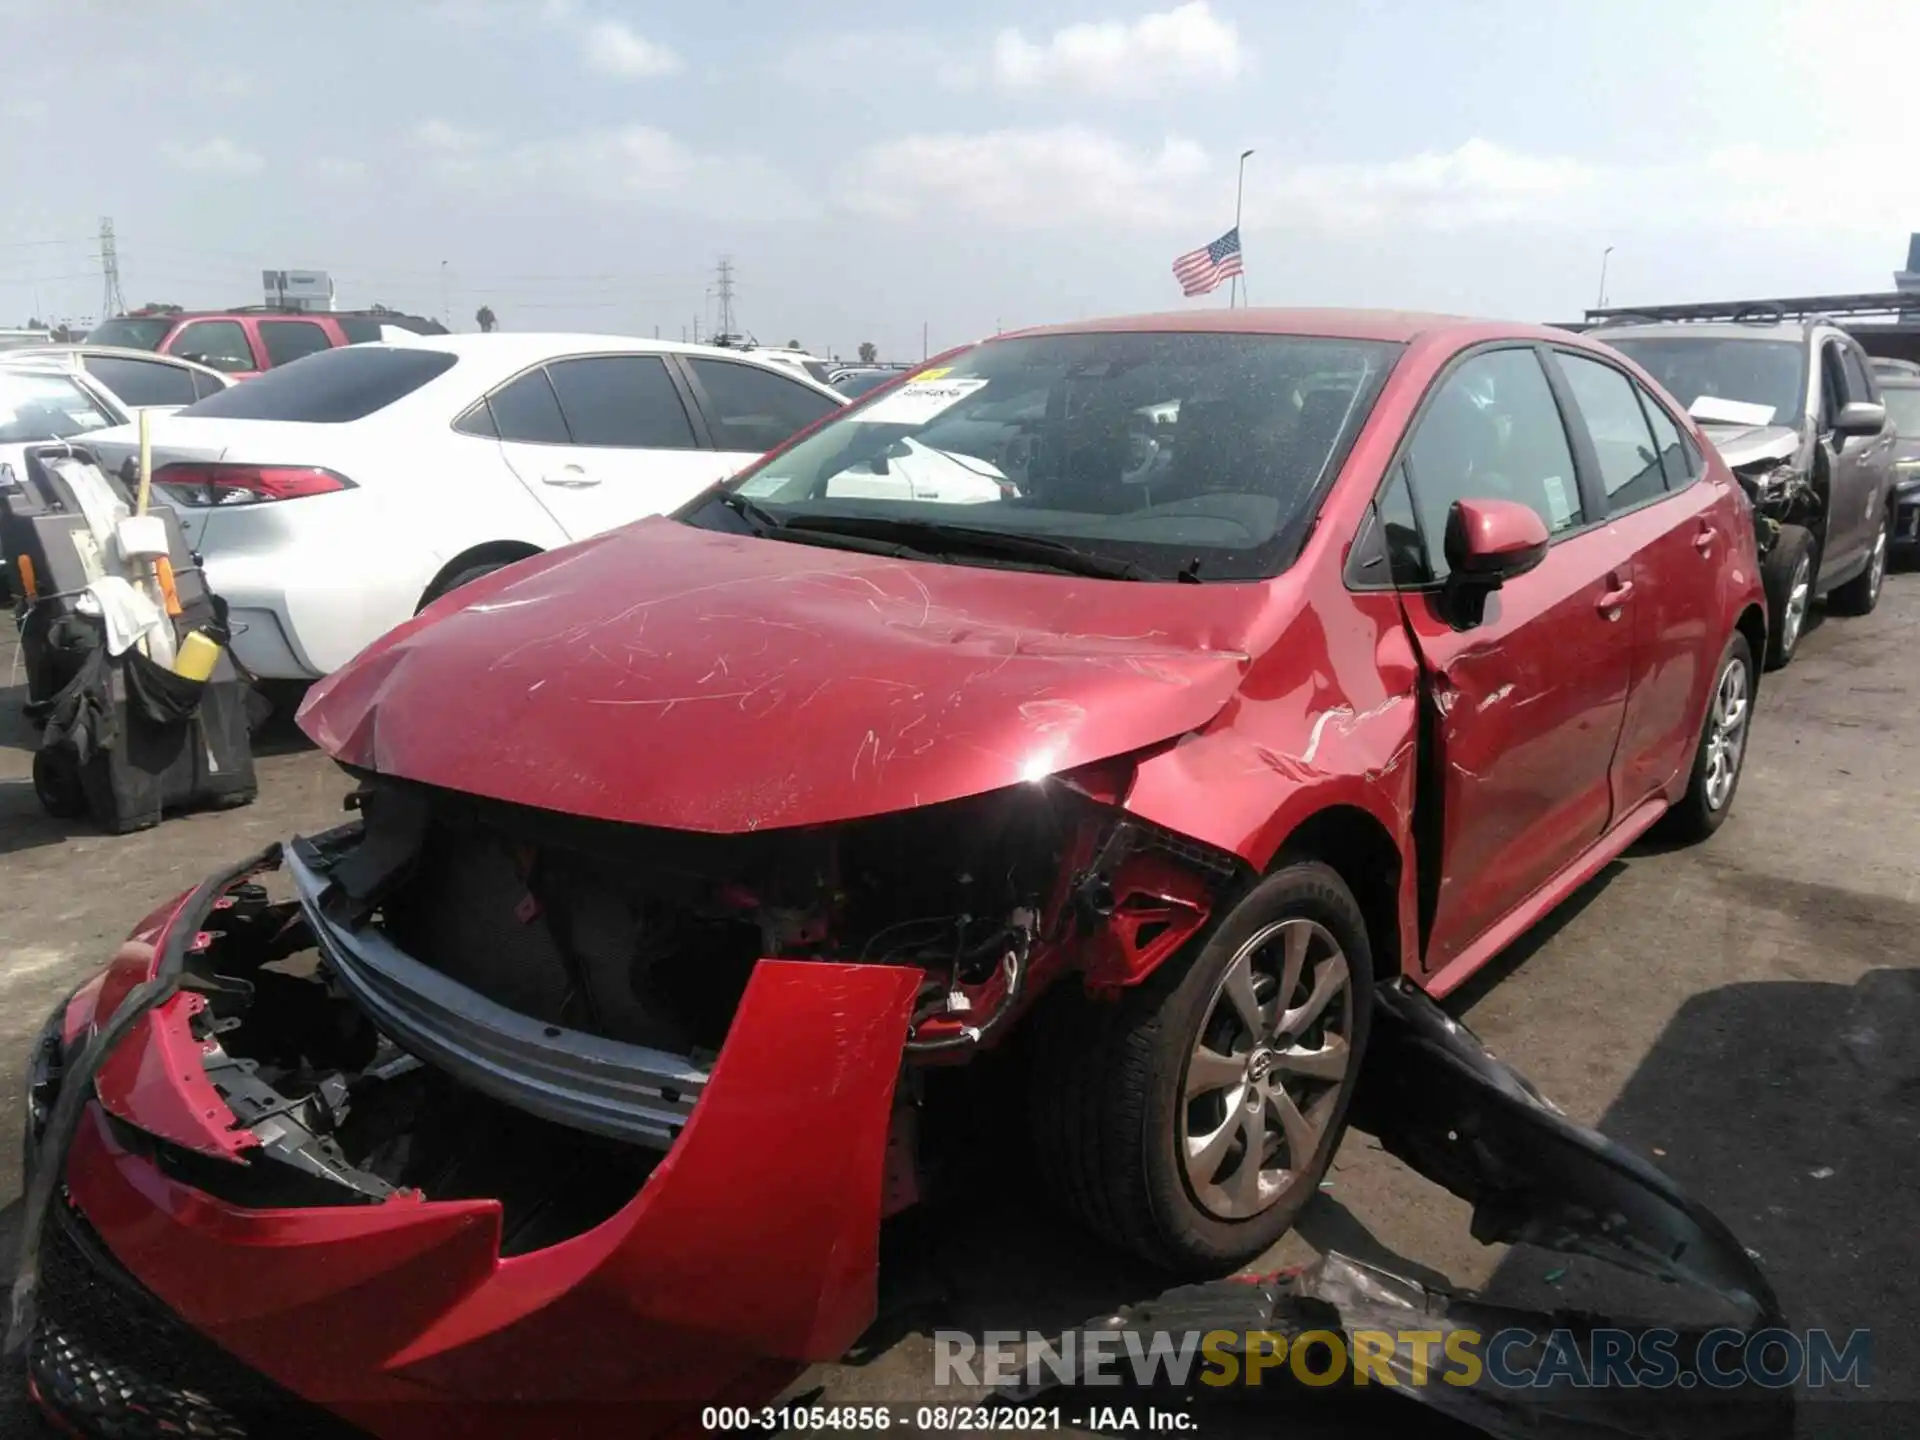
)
(1860, 417)
(1487, 543)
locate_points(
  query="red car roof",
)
(1401, 326)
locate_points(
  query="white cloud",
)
(445, 137)
(339, 170)
(1025, 178)
(218, 156)
(634, 163)
(832, 62)
(1475, 183)
(1480, 183)
(1188, 45)
(26, 110)
(613, 48)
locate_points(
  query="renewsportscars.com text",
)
(1513, 1359)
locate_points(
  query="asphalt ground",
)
(1744, 1013)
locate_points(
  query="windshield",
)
(1767, 373)
(1903, 408)
(130, 333)
(1197, 453)
(854, 386)
(46, 407)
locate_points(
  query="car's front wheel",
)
(1193, 1121)
(1787, 575)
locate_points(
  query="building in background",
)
(298, 289)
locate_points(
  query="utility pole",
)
(923, 339)
(1605, 255)
(724, 290)
(115, 303)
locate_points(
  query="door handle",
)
(1609, 604)
(1703, 542)
(569, 477)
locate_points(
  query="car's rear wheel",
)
(1860, 594)
(1787, 576)
(1722, 751)
(1193, 1121)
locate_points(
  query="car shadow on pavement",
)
(1792, 1109)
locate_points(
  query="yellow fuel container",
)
(197, 657)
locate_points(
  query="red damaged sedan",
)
(1153, 690)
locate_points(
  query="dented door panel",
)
(1526, 708)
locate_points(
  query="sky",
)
(918, 175)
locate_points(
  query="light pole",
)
(1239, 286)
(1604, 256)
(446, 309)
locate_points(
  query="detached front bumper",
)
(749, 1251)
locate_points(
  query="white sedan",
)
(333, 497)
(137, 379)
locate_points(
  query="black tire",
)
(1791, 565)
(1860, 594)
(1709, 800)
(1109, 1083)
(57, 786)
(457, 579)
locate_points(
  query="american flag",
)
(1202, 270)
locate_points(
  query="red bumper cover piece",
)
(755, 1240)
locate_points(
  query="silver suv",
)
(1794, 408)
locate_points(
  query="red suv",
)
(1291, 658)
(247, 340)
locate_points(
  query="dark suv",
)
(251, 338)
(1796, 410)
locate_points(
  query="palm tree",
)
(868, 352)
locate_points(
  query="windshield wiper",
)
(752, 511)
(941, 538)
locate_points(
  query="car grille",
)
(115, 1362)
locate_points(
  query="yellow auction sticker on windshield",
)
(916, 402)
(939, 372)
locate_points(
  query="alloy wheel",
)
(1799, 597)
(1727, 733)
(1264, 1079)
(1877, 566)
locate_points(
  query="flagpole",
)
(1239, 193)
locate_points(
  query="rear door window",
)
(288, 340)
(205, 384)
(1630, 468)
(753, 409)
(219, 344)
(526, 412)
(139, 383)
(1676, 455)
(348, 383)
(622, 400)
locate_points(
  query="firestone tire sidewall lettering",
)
(1193, 1240)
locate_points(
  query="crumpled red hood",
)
(670, 676)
